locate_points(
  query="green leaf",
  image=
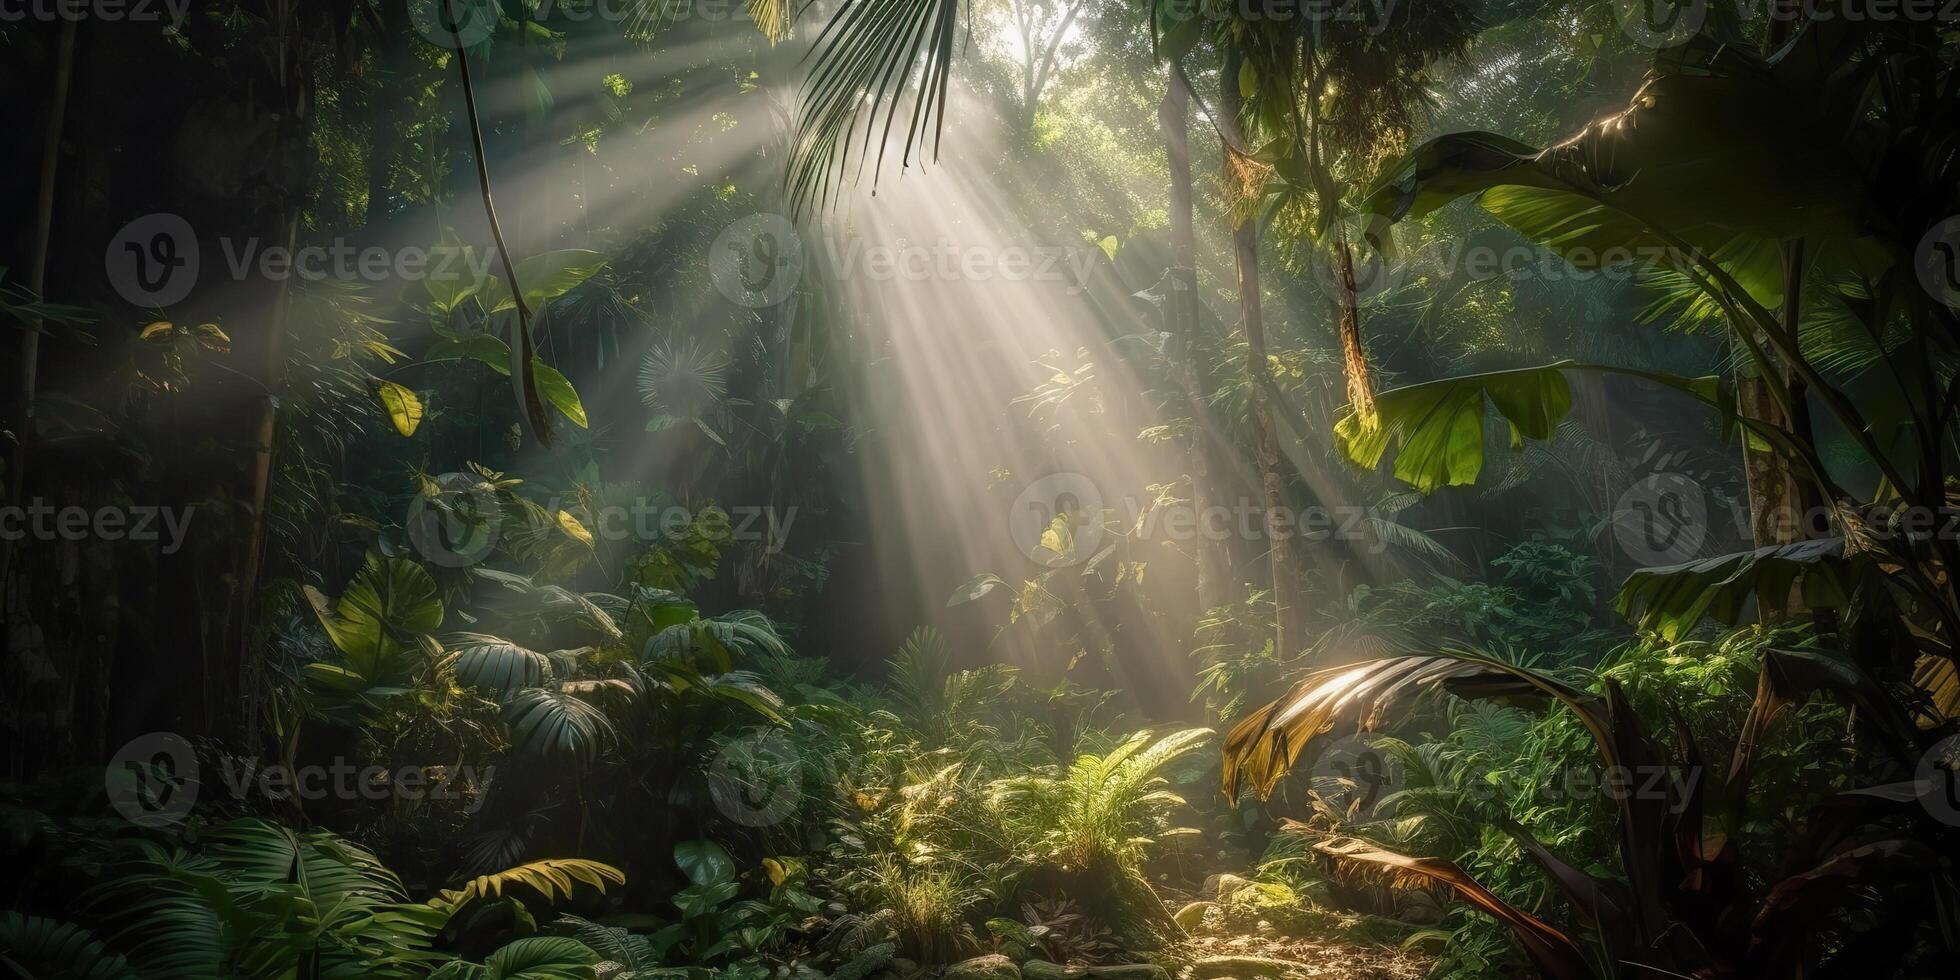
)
(704, 862)
(1672, 599)
(975, 587)
(558, 390)
(1248, 79)
(543, 958)
(403, 407)
(472, 346)
(498, 666)
(1715, 157)
(1438, 426)
(1177, 31)
(554, 879)
(453, 276)
(38, 947)
(544, 277)
(870, 54)
(555, 726)
(388, 600)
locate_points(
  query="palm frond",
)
(860, 67)
(553, 878)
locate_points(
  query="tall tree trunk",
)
(1778, 499)
(1181, 307)
(288, 100)
(1354, 358)
(1245, 248)
(37, 274)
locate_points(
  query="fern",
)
(32, 946)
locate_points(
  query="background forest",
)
(1060, 489)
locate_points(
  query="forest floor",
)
(1317, 958)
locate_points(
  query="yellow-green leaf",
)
(403, 407)
(570, 525)
(558, 390)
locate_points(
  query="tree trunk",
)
(37, 275)
(1354, 358)
(1181, 308)
(287, 99)
(1779, 501)
(1245, 248)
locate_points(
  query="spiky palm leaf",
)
(682, 381)
(497, 666)
(261, 899)
(1264, 745)
(1555, 954)
(552, 878)
(869, 53)
(31, 947)
(555, 725)
(629, 949)
(531, 958)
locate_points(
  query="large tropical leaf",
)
(1673, 599)
(498, 666)
(1715, 155)
(1264, 745)
(545, 277)
(260, 899)
(388, 600)
(1555, 954)
(1438, 426)
(552, 879)
(531, 958)
(542, 958)
(704, 862)
(32, 947)
(555, 725)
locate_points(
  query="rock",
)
(1129, 971)
(1190, 917)
(1044, 970)
(993, 966)
(1221, 967)
(865, 964)
(1220, 887)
